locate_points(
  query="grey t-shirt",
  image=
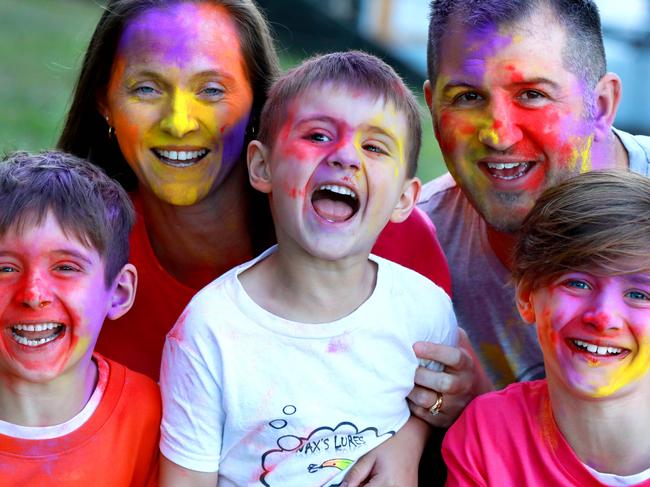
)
(483, 297)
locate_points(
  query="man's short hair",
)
(354, 70)
(584, 53)
(86, 202)
(597, 222)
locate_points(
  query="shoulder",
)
(437, 187)
(500, 414)
(638, 150)
(137, 388)
(405, 281)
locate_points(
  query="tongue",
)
(332, 210)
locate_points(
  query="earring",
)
(111, 130)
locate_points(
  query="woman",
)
(167, 108)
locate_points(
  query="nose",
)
(345, 156)
(501, 130)
(603, 314)
(35, 293)
(180, 120)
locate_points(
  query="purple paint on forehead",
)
(170, 31)
(481, 43)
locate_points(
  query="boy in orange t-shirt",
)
(68, 416)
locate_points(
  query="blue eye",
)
(577, 284)
(637, 295)
(212, 91)
(7, 268)
(319, 137)
(145, 91)
(375, 148)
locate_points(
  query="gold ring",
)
(437, 406)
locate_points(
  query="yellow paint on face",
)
(626, 375)
(179, 86)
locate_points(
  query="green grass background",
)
(42, 43)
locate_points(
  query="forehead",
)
(534, 45)
(45, 230)
(182, 33)
(352, 106)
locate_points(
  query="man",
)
(520, 100)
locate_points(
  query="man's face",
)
(508, 115)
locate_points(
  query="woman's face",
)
(179, 99)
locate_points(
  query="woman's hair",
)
(85, 133)
(597, 222)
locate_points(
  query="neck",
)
(303, 288)
(608, 434)
(503, 244)
(198, 243)
(609, 153)
(46, 404)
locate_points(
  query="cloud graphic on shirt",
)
(320, 456)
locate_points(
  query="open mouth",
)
(335, 203)
(180, 158)
(508, 170)
(600, 350)
(36, 335)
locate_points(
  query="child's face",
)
(53, 301)
(337, 171)
(594, 331)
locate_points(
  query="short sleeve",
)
(193, 415)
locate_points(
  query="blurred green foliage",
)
(42, 43)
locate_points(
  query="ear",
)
(428, 94)
(101, 99)
(607, 98)
(407, 200)
(524, 298)
(123, 293)
(259, 167)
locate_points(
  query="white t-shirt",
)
(265, 400)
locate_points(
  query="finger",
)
(447, 382)
(423, 396)
(441, 420)
(359, 472)
(450, 357)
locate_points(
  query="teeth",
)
(503, 165)
(338, 189)
(34, 343)
(591, 348)
(39, 327)
(181, 155)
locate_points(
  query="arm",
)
(394, 462)
(462, 379)
(173, 475)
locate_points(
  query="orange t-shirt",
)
(116, 446)
(137, 338)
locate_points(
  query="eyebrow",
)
(59, 252)
(639, 279)
(208, 73)
(538, 80)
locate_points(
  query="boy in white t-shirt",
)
(582, 269)
(290, 367)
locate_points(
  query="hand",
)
(462, 379)
(395, 462)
